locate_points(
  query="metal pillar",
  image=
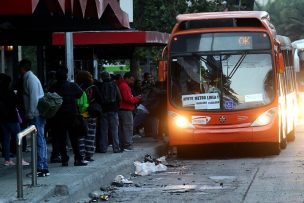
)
(2, 60)
(33, 132)
(69, 55)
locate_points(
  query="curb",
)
(82, 187)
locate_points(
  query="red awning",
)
(118, 37)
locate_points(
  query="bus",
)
(227, 81)
(298, 58)
(290, 88)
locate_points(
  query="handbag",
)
(19, 117)
(94, 109)
(80, 125)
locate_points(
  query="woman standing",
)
(87, 142)
(9, 119)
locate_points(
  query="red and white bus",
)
(228, 80)
(298, 58)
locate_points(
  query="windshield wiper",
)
(237, 65)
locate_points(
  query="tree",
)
(288, 17)
(159, 15)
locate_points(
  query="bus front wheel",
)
(291, 136)
(274, 148)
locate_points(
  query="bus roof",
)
(299, 44)
(223, 15)
(229, 19)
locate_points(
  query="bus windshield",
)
(221, 81)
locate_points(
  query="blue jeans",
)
(109, 123)
(8, 130)
(39, 122)
(139, 119)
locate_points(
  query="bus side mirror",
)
(281, 63)
(162, 70)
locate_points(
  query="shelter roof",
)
(114, 37)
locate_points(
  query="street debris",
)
(104, 197)
(150, 165)
(94, 195)
(120, 180)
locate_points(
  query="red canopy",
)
(114, 37)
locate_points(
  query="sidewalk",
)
(68, 184)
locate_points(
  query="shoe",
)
(65, 162)
(40, 173)
(128, 149)
(25, 163)
(118, 151)
(46, 172)
(88, 159)
(9, 163)
(80, 163)
(55, 159)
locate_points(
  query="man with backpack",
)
(33, 91)
(109, 122)
(66, 120)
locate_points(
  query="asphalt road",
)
(223, 173)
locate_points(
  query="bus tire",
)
(274, 148)
(283, 143)
(283, 140)
(180, 151)
(292, 135)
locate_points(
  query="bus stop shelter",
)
(111, 44)
(32, 22)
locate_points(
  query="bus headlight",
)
(180, 121)
(265, 118)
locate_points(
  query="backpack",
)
(108, 92)
(4, 110)
(49, 104)
(94, 108)
(83, 102)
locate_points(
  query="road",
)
(233, 174)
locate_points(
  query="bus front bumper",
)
(223, 135)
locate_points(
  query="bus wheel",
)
(292, 135)
(283, 143)
(274, 148)
(183, 151)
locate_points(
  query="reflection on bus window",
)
(238, 79)
(269, 86)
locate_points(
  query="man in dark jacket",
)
(109, 121)
(148, 110)
(65, 117)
